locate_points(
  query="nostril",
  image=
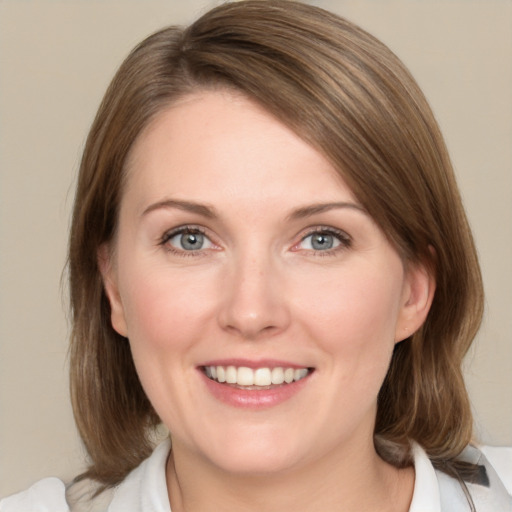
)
(252, 332)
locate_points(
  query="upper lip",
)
(254, 363)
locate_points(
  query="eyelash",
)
(342, 237)
(169, 235)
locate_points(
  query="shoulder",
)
(501, 460)
(490, 488)
(53, 495)
(143, 489)
(47, 495)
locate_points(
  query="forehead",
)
(220, 141)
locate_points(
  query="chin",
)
(259, 456)
(256, 464)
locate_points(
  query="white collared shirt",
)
(145, 488)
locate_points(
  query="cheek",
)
(362, 307)
(166, 314)
(165, 309)
(352, 318)
(353, 322)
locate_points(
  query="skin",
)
(258, 289)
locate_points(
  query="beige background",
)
(57, 58)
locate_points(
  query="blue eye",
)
(324, 240)
(187, 239)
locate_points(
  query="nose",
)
(255, 304)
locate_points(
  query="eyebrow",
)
(308, 211)
(209, 212)
(187, 206)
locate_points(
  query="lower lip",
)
(254, 398)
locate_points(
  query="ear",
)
(417, 296)
(109, 277)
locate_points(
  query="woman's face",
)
(242, 256)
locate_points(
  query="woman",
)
(266, 245)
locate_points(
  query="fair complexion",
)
(239, 245)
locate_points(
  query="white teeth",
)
(263, 377)
(300, 374)
(221, 374)
(231, 375)
(277, 376)
(244, 376)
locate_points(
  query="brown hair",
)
(350, 97)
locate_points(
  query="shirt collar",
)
(145, 488)
(426, 496)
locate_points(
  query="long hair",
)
(350, 97)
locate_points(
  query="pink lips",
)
(254, 399)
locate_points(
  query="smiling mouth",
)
(258, 378)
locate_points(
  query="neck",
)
(349, 480)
